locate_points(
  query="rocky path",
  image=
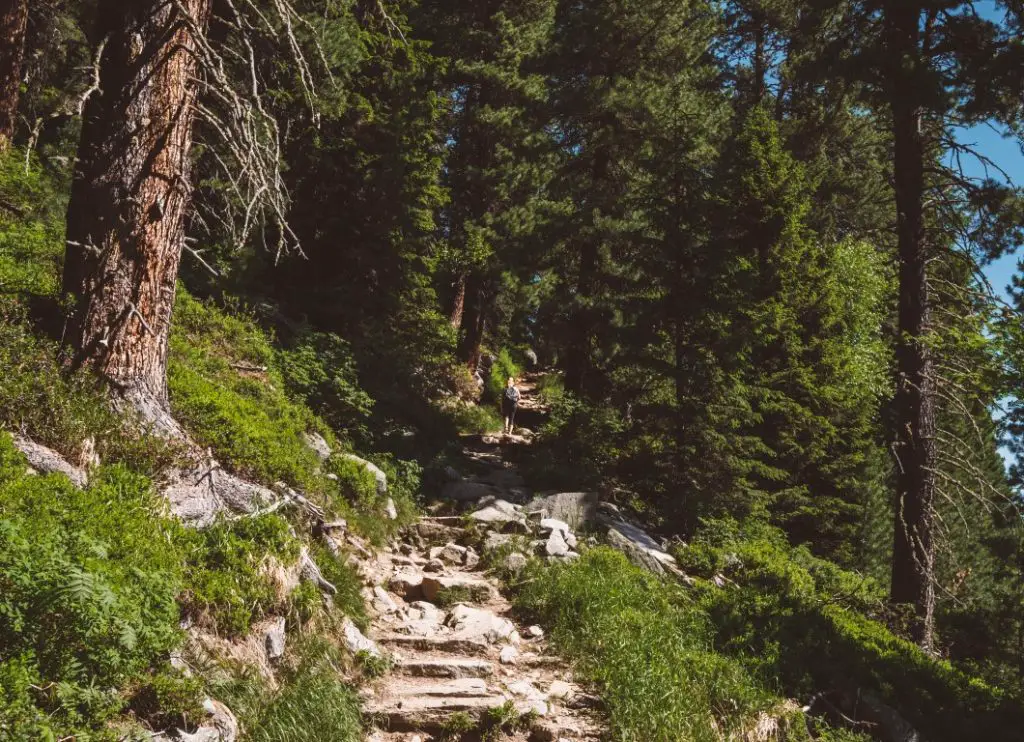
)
(460, 666)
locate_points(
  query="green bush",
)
(88, 580)
(799, 623)
(502, 368)
(357, 501)
(226, 590)
(320, 370)
(646, 646)
(226, 389)
(311, 703)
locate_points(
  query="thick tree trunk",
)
(913, 548)
(13, 22)
(458, 302)
(474, 322)
(126, 218)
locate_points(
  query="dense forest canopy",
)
(743, 238)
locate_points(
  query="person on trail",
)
(509, 402)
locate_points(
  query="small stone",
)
(434, 566)
(570, 539)
(391, 510)
(535, 632)
(515, 562)
(472, 559)
(509, 655)
(495, 541)
(559, 689)
(553, 524)
(452, 553)
(556, 545)
(356, 641)
(274, 639)
(383, 602)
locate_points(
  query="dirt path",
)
(462, 667)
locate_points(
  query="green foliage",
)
(799, 623)
(227, 589)
(348, 601)
(475, 419)
(312, 701)
(320, 370)
(645, 645)
(226, 388)
(88, 580)
(502, 368)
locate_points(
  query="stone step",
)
(445, 667)
(434, 644)
(414, 704)
(458, 588)
(427, 713)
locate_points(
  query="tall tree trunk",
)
(458, 301)
(126, 218)
(913, 548)
(474, 322)
(13, 22)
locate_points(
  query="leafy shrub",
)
(349, 598)
(225, 586)
(311, 703)
(502, 368)
(645, 645)
(226, 389)
(88, 580)
(799, 622)
(358, 502)
(320, 370)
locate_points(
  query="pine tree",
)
(13, 24)
(128, 209)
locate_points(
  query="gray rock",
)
(495, 541)
(574, 508)
(197, 496)
(531, 357)
(553, 524)
(640, 548)
(556, 545)
(477, 623)
(534, 632)
(48, 461)
(274, 639)
(515, 562)
(435, 566)
(467, 491)
(509, 655)
(501, 513)
(472, 559)
(356, 641)
(378, 475)
(382, 601)
(391, 510)
(220, 726)
(570, 538)
(408, 585)
(319, 445)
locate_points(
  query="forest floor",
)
(457, 663)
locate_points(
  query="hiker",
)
(509, 402)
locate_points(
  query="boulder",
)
(473, 588)
(408, 585)
(391, 510)
(48, 461)
(220, 726)
(274, 639)
(356, 641)
(472, 559)
(515, 562)
(495, 541)
(319, 445)
(573, 508)
(509, 655)
(553, 524)
(477, 623)
(466, 491)
(556, 545)
(379, 476)
(501, 513)
(198, 495)
(640, 548)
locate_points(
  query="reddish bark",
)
(13, 22)
(126, 218)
